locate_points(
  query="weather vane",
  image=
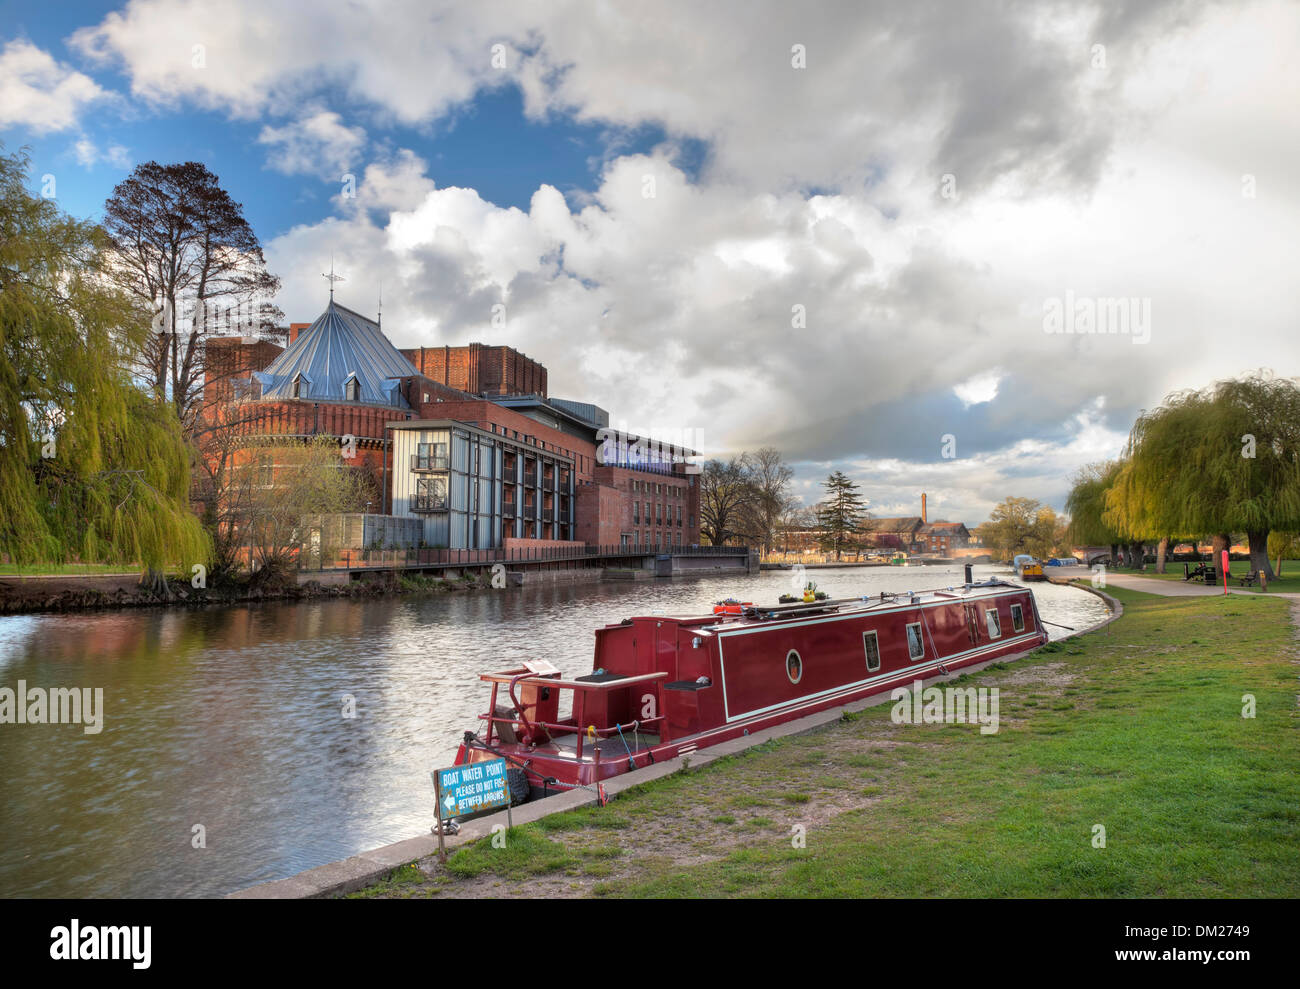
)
(332, 278)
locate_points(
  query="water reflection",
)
(232, 719)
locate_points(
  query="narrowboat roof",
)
(885, 601)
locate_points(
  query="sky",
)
(943, 247)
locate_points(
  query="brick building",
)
(480, 369)
(465, 438)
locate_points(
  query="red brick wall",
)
(597, 509)
(480, 369)
(226, 358)
(606, 507)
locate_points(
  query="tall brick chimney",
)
(923, 518)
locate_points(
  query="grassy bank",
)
(1138, 729)
(67, 569)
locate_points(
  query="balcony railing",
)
(414, 558)
(428, 463)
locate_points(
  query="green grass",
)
(67, 569)
(1135, 729)
(401, 883)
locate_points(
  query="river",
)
(232, 719)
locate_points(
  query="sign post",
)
(437, 802)
(473, 788)
(1225, 571)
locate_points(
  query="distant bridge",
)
(1092, 554)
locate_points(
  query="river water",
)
(232, 719)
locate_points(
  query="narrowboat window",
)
(995, 626)
(915, 644)
(872, 648)
(793, 666)
(1018, 618)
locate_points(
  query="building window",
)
(679, 514)
(265, 471)
(430, 494)
(915, 644)
(297, 390)
(994, 624)
(872, 649)
(352, 389)
(636, 513)
(1017, 618)
(430, 456)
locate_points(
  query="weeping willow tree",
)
(1086, 506)
(90, 467)
(1221, 460)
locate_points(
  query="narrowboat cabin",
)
(661, 687)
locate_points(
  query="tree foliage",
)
(841, 516)
(1220, 460)
(273, 494)
(1021, 525)
(1086, 506)
(90, 467)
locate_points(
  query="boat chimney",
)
(923, 518)
(969, 581)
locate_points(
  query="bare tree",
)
(181, 245)
(726, 497)
(769, 477)
(271, 493)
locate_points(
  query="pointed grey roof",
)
(340, 344)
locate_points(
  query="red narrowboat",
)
(662, 687)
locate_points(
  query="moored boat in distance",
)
(1027, 568)
(663, 687)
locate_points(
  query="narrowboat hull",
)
(663, 687)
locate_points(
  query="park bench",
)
(1249, 580)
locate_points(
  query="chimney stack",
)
(923, 518)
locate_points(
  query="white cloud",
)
(677, 308)
(40, 93)
(316, 143)
(89, 154)
(979, 388)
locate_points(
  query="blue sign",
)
(472, 788)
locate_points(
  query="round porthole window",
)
(793, 666)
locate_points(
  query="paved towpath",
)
(1179, 589)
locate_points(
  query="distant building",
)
(897, 533)
(915, 534)
(464, 438)
(940, 538)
